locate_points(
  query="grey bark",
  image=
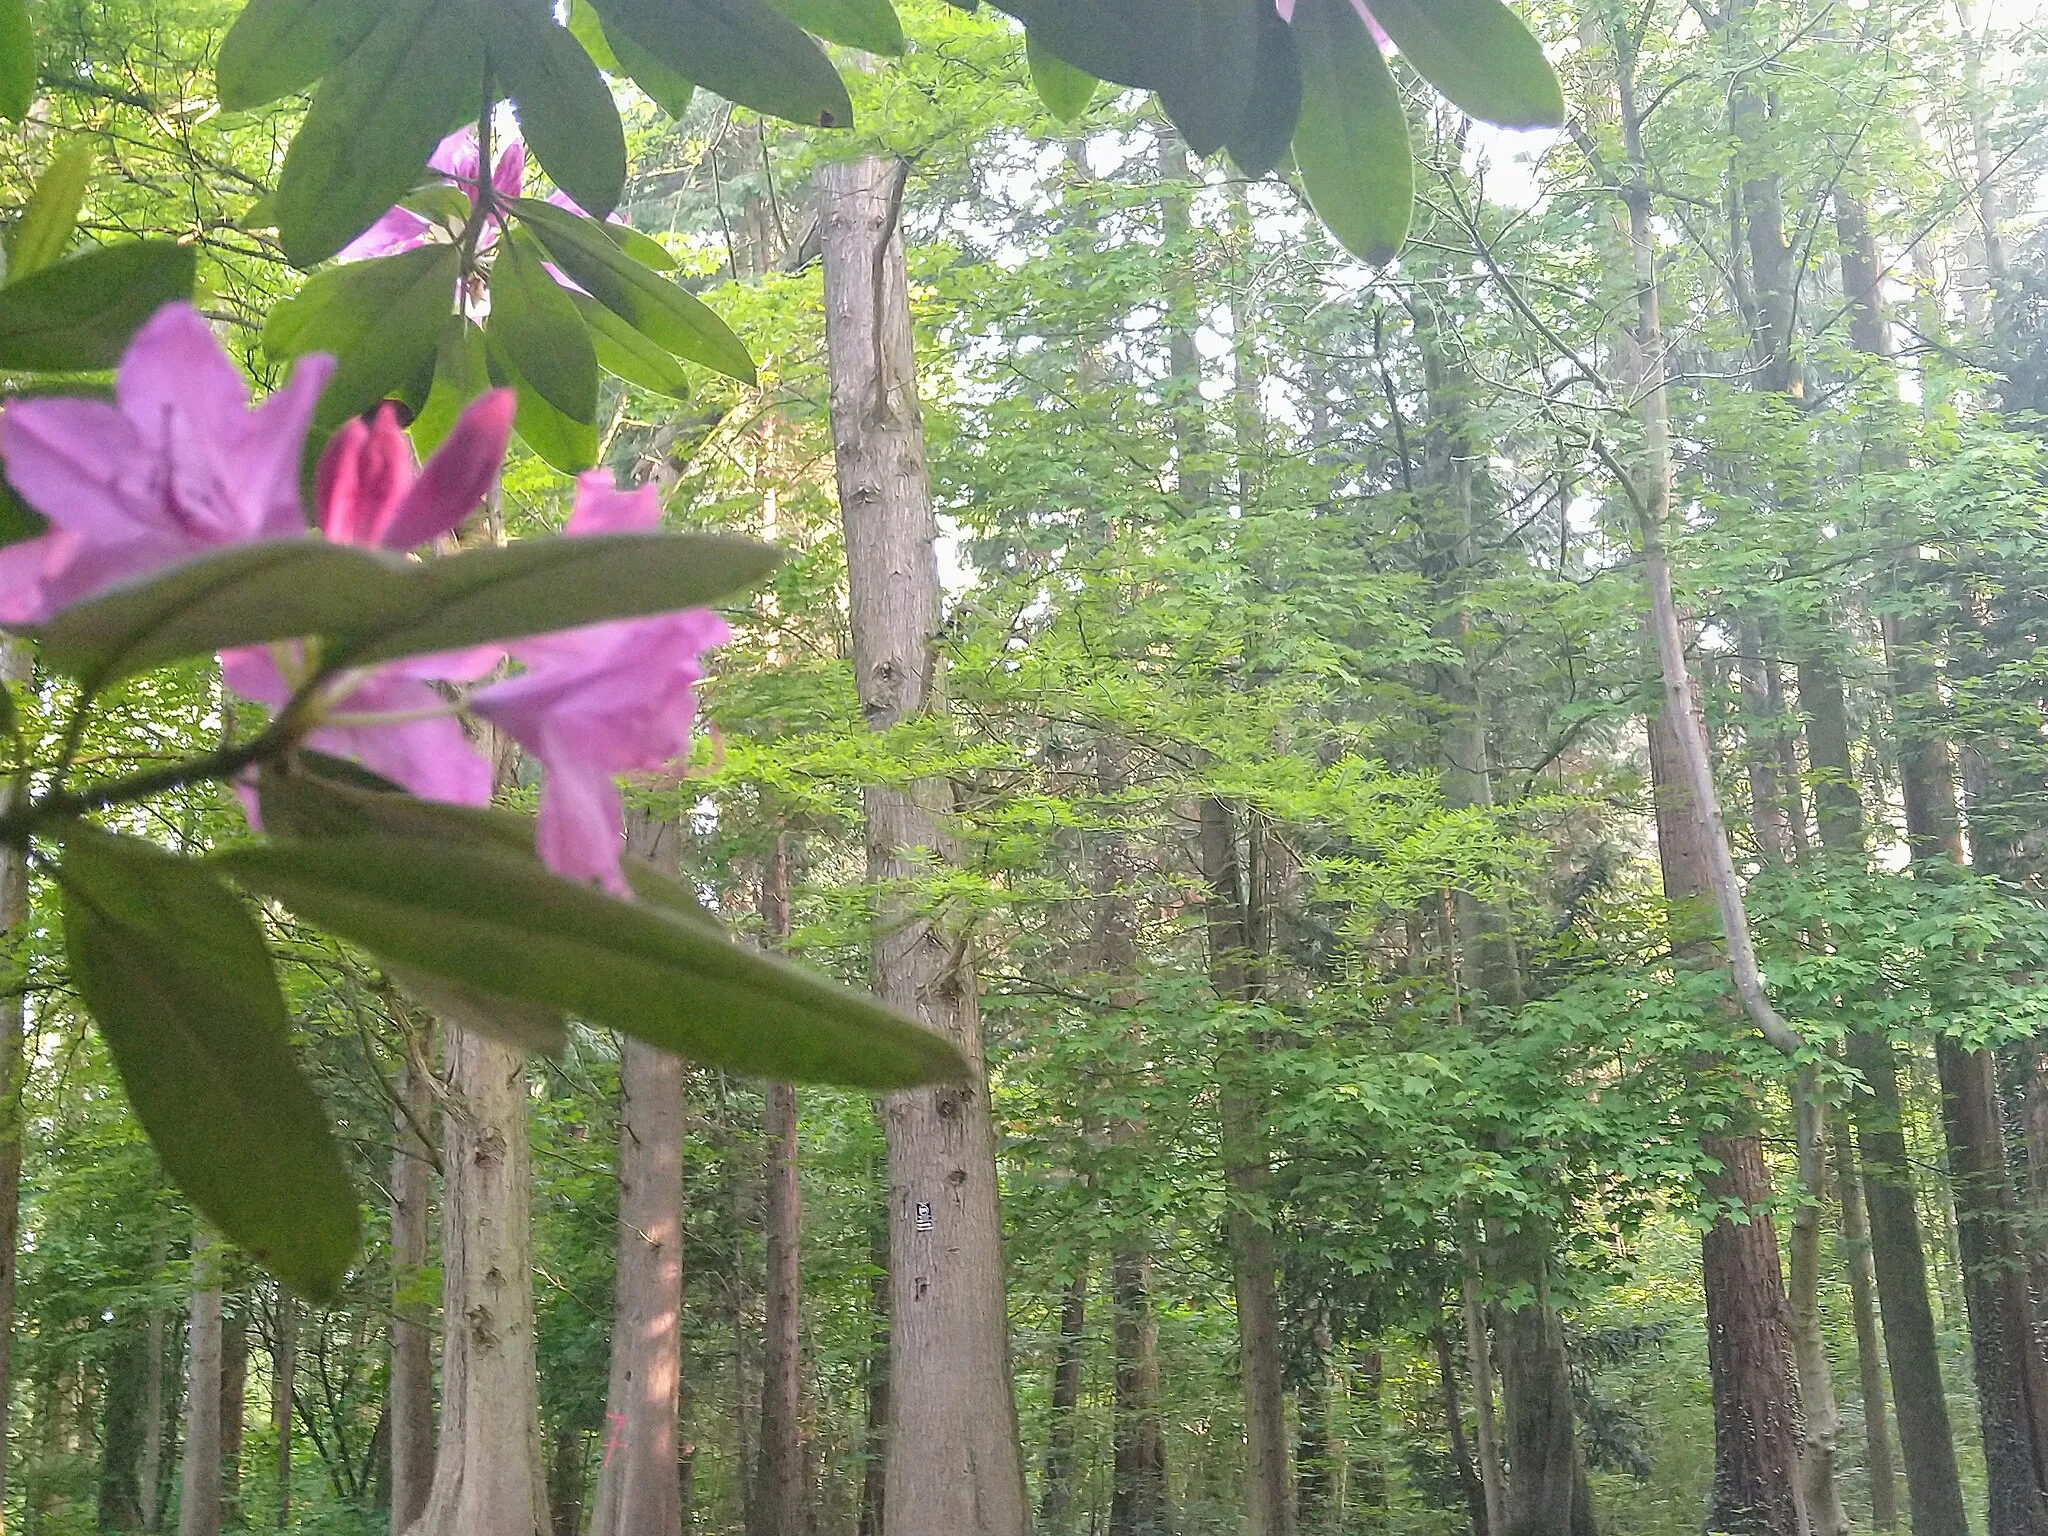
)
(410, 1398)
(199, 1511)
(778, 1504)
(1056, 1503)
(1877, 1444)
(954, 1465)
(284, 1367)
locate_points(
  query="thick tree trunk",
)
(637, 1489)
(15, 667)
(1877, 1444)
(1536, 1395)
(284, 1370)
(199, 1510)
(234, 1393)
(489, 1473)
(1056, 1501)
(955, 1467)
(778, 1505)
(127, 1399)
(409, 1402)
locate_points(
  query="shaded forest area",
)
(1219, 685)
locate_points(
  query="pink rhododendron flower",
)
(1379, 33)
(179, 465)
(601, 701)
(458, 159)
(391, 718)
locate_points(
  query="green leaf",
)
(277, 47)
(745, 50)
(382, 321)
(1207, 55)
(533, 586)
(18, 520)
(47, 224)
(1111, 41)
(17, 60)
(496, 921)
(1351, 144)
(79, 314)
(626, 354)
(651, 304)
(1263, 134)
(585, 27)
(364, 144)
(177, 976)
(460, 376)
(1478, 53)
(1065, 90)
(241, 596)
(870, 25)
(518, 1024)
(645, 249)
(565, 109)
(540, 332)
(563, 442)
(664, 87)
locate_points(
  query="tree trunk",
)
(234, 1393)
(1821, 1421)
(489, 1474)
(1486, 1423)
(127, 1400)
(637, 1490)
(1877, 1445)
(284, 1365)
(149, 1471)
(875, 1439)
(1056, 1503)
(1454, 1430)
(1138, 1504)
(778, 1506)
(565, 1481)
(1536, 1394)
(15, 669)
(409, 1401)
(954, 1464)
(199, 1473)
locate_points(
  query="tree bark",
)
(149, 1474)
(409, 1401)
(954, 1467)
(778, 1505)
(127, 1398)
(234, 1391)
(1138, 1502)
(15, 669)
(875, 1438)
(489, 1473)
(1877, 1445)
(284, 1365)
(1486, 1423)
(1454, 1431)
(199, 1511)
(1056, 1503)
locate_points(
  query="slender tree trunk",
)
(284, 1368)
(1821, 1422)
(199, 1511)
(1454, 1430)
(489, 1473)
(565, 1481)
(1486, 1424)
(15, 668)
(955, 1467)
(149, 1472)
(778, 1507)
(409, 1401)
(1877, 1445)
(1056, 1503)
(1138, 1502)
(2035, 1109)
(1319, 1464)
(1370, 1408)
(234, 1392)
(127, 1397)
(874, 1482)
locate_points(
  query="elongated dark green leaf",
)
(650, 303)
(1262, 136)
(1351, 143)
(178, 979)
(564, 106)
(80, 314)
(532, 586)
(542, 335)
(460, 375)
(17, 60)
(521, 1025)
(563, 442)
(664, 87)
(626, 354)
(373, 123)
(866, 24)
(645, 249)
(1065, 90)
(745, 50)
(47, 224)
(242, 596)
(1206, 69)
(381, 319)
(496, 921)
(1111, 41)
(276, 47)
(1478, 53)
(588, 30)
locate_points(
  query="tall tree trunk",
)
(1319, 1464)
(1056, 1501)
(1877, 1444)
(234, 1393)
(15, 668)
(284, 1370)
(955, 1467)
(778, 1507)
(1138, 1503)
(1486, 1423)
(409, 1401)
(489, 1473)
(199, 1473)
(1454, 1431)
(149, 1471)
(874, 1483)
(565, 1481)
(127, 1398)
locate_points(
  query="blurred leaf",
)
(541, 334)
(176, 974)
(565, 109)
(664, 87)
(870, 25)
(745, 50)
(17, 60)
(18, 520)
(375, 119)
(460, 376)
(79, 314)
(626, 354)
(1263, 134)
(518, 1024)
(1351, 143)
(1478, 53)
(650, 303)
(645, 249)
(562, 442)
(1208, 50)
(497, 921)
(1065, 90)
(277, 47)
(51, 218)
(381, 319)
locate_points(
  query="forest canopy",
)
(1153, 766)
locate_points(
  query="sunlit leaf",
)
(47, 224)
(1478, 53)
(380, 319)
(276, 47)
(745, 50)
(1351, 144)
(565, 109)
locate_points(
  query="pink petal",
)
(267, 450)
(457, 155)
(430, 758)
(582, 829)
(76, 462)
(400, 229)
(457, 478)
(1379, 33)
(251, 672)
(508, 176)
(601, 508)
(175, 369)
(363, 476)
(1285, 8)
